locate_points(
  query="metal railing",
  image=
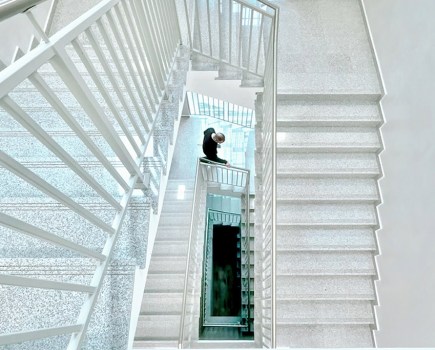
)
(205, 105)
(99, 83)
(209, 173)
(13, 7)
(235, 32)
(268, 171)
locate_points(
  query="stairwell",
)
(328, 143)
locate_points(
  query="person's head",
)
(219, 137)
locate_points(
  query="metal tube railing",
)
(75, 52)
(13, 7)
(209, 172)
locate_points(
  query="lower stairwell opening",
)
(224, 313)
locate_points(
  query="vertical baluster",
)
(230, 31)
(251, 25)
(260, 35)
(134, 25)
(152, 48)
(198, 23)
(209, 28)
(242, 8)
(114, 55)
(106, 95)
(134, 74)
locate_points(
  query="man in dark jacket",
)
(210, 145)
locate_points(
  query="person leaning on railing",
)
(210, 145)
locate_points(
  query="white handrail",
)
(13, 7)
(208, 172)
(153, 42)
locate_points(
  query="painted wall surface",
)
(403, 34)
(17, 31)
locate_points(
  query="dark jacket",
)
(209, 146)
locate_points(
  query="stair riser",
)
(325, 263)
(328, 336)
(325, 238)
(328, 163)
(326, 188)
(158, 327)
(324, 311)
(325, 287)
(326, 214)
(328, 137)
(63, 179)
(155, 303)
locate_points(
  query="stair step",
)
(344, 111)
(324, 312)
(326, 213)
(172, 195)
(325, 263)
(165, 283)
(173, 233)
(158, 327)
(318, 238)
(324, 288)
(326, 189)
(331, 164)
(354, 139)
(177, 207)
(171, 219)
(155, 344)
(162, 303)
(224, 344)
(325, 336)
(170, 248)
(64, 179)
(21, 145)
(164, 265)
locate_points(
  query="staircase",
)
(327, 193)
(159, 319)
(314, 267)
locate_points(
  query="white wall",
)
(17, 31)
(404, 37)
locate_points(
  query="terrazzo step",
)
(331, 164)
(166, 283)
(158, 327)
(22, 145)
(324, 238)
(161, 303)
(351, 139)
(177, 207)
(325, 263)
(324, 336)
(170, 248)
(224, 344)
(324, 288)
(326, 213)
(33, 105)
(155, 344)
(172, 219)
(172, 233)
(167, 264)
(173, 185)
(326, 189)
(226, 72)
(324, 312)
(63, 178)
(202, 63)
(63, 222)
(340, 110)
(173, 195)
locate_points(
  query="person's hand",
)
(228, 165)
